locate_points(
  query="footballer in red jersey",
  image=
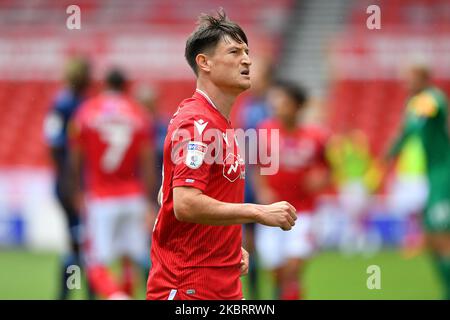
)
(196, 246)
(111, 148)
(302, 175)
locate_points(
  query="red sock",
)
(291, 291)
(102, 281)
(127, 277)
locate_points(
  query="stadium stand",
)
(366, 90)
(145, 38)
(354, 70)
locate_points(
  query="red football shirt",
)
(300, 151)
(111, 130)
(198, 261)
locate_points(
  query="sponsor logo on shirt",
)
(195, 154)
(200, 125)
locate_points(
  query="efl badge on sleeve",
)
(195, 154)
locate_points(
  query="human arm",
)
(75, 136)
(422, 108)
(147, 166)
(191, 205)
(148, 176)
(74, 177)
(244, 262)
(263, 192)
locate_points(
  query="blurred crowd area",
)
(352, 75)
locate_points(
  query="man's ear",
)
(202, 62)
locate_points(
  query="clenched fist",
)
(279, 214)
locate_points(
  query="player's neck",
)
(420, 89)
(289, 125)
(223, 101)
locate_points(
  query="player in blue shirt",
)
(254, 111)
(77, 78)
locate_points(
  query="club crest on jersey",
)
(233, 167)
(195, 154)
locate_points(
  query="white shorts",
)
(275, 246)
(408, 195)
(117, 227)
(354, 197)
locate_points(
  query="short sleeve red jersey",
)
(198, 261)
(111, 131)
(300, 151)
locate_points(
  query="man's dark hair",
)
(296, 92)
(116, 80)
(210, 30)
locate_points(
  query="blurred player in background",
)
(148, 97)
(426, 118)
(407, 193)
(111, 147)
(302, 175)
(254, 110)
(352, 163)
(77, 76)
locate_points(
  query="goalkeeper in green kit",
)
(426, 119)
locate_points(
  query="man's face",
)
(415, 80)
(230, 65)
(82, 80)
(260, 77)
(284, 107)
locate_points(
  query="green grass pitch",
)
(330, 275)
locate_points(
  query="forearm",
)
(148, 172)
(57, 156)
(262, 191)
(410, 128)
(396, 147)
(74, 177)
(259, 181)
(200, 208)
(150, 189)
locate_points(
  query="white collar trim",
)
(207, 98)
